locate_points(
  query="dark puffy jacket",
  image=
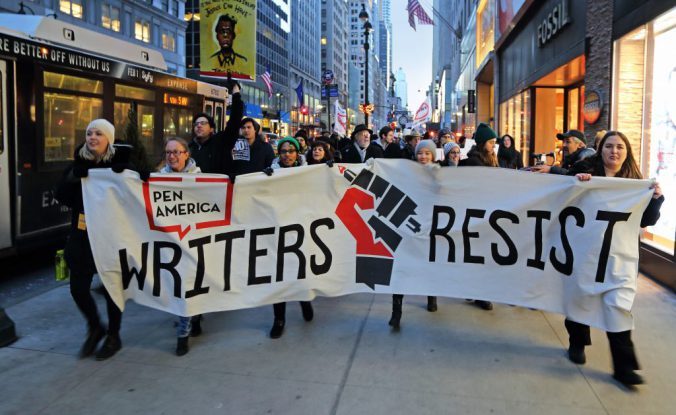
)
(78, 253)
(472, 159)
(214, 155)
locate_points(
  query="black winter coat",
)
(407, 153)
(78, 253)
(472, 159)
(510, 158)
(214, 155)
(350, 154)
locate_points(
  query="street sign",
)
(333, 91)
(327, 77)
(471, 101)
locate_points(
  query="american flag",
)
(416, 10)
(267, 78)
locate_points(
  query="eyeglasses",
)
(287, 151)
(200, 123)
(175, 153)
(454, 152)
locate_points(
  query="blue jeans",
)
(185, 324)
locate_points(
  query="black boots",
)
(576, 354)
(196, 326)
(624, 358)
(182, 346)
(397, 300)
(484, 305)
(94, 336)
(308, 312)
(277, 329)
(431, 304)
(111, 345)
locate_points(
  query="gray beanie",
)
(449, 146)
(105, 127)
(428, 144)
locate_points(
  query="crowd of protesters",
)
(241, 148)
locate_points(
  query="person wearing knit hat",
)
(100, 136)
(289, 150)
(446, 136)
(483, 153)
(451, 154)
(426, 152)
(97, 152)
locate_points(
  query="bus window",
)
(66, 118)
(126, 91)
(73, 83)
(146, 125)
(209, 109)
(218, 119)
(177, 122)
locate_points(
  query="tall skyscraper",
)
(401, 87)
(385, 40)
(305, 57)
(334, 42)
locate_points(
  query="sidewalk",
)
(460, 359)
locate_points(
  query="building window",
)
(168, 41)
(174, 7)
(110, 17)
(72, 7)
(165, 5)
(643, 109)
(142, 30)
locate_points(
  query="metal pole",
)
(328, 108)
(366, 75)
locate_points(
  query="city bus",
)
(54, 79)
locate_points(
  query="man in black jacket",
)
(249, 153)
(361, 149)
(208, 148)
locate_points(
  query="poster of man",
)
(228, 38)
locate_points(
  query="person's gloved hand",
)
(144, 174)
(329, 163)
(268, 171)
(81, 167)
(119, 167)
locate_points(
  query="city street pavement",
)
(460, 359)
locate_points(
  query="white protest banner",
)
(423, 114)
(340, 115)
(201, 244)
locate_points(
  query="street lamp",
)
(366, 107)
(279, 109)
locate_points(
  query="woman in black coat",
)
(96, 153)
(613, 159)
(508, 156)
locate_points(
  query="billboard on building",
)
(228, 39)
(507, 10)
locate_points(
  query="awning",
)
(286, 117)
(253, 111)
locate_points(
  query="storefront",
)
(643, 107)
(485, 40)
(541, 70)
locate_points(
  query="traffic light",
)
(304, 110)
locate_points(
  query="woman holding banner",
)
(425, 154)
(614, 159)
(177, 160)
(97, 152)
(289, 156)
(483, 154)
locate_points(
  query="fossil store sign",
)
(557, 18)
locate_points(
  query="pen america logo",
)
(173, 207)
(379, 236)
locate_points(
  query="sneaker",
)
(277, 329)
(196, 328)
(628, 378)
(308, 312)
(182, 346)
(484, 305)
(94, 336)
(576, 355)
(111, 345)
